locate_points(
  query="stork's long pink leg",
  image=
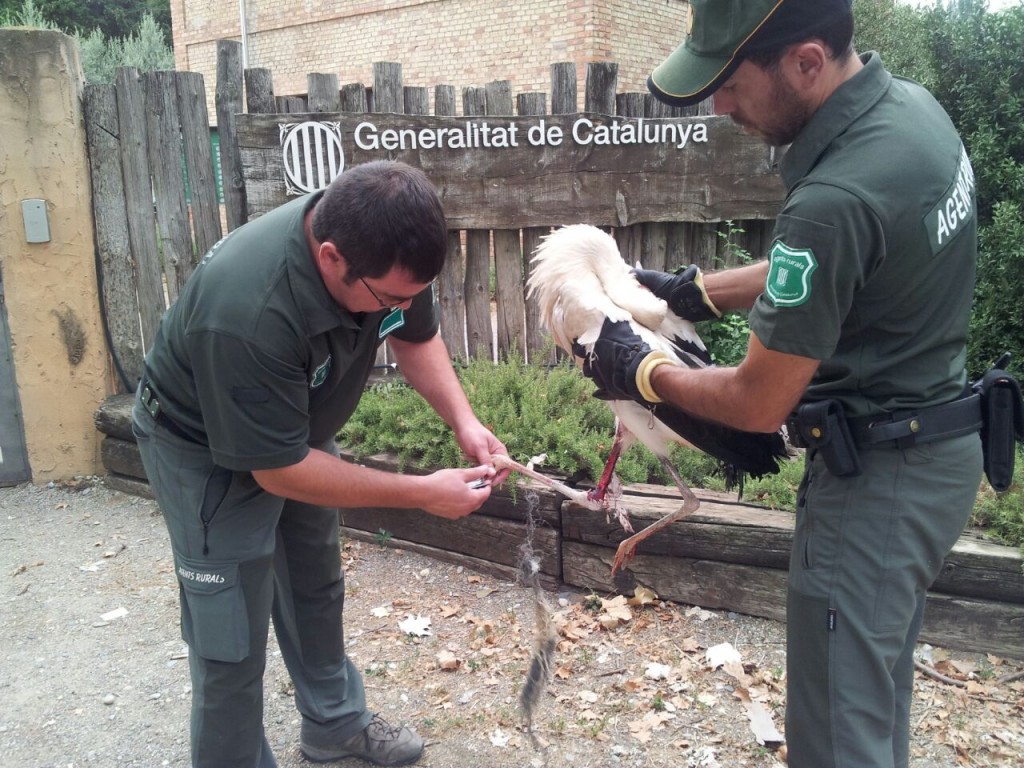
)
(627, 548)
(598, 493)
(580, 497)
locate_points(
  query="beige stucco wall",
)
(452, 42)
(50, 288)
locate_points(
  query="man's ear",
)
(805, 62)
(329, 260)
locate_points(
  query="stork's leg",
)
(504, 462)
(622, 441)
(627, 549)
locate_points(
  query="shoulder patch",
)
(789, 275)
(392, 322)
(320, 374)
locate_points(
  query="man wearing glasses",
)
(255, 368)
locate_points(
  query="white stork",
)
(580, 280)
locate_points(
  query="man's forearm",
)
(327, 481)
(428, 369)
(736, 288)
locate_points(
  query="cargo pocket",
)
(214, 621)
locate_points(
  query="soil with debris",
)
(94, 671)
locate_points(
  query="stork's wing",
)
(580, 280)
(756, 453)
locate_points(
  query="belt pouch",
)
(823, 427)
(1002, 425)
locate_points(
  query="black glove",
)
(621, 364)
(683, 292)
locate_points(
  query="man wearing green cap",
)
(859, 321)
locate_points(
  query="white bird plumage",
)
(579, 281)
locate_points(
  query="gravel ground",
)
(94, 672)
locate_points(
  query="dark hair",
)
(382, 215)
(837, 35)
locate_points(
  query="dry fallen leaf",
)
(760, 720)
(447, 661)
(643, 596)
(418, 626)
(616, 611)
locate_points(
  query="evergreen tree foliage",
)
(145, 48)
(969, 58)
(115, 18)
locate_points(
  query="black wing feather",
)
(755, 453)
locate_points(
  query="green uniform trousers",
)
(242, 555)
(865, 551)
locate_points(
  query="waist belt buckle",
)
(149, 401)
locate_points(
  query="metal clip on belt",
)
(151, 402)
(906, 428)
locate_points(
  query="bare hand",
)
(479, 444)
(455, 493)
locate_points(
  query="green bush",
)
(532, 409)
(535, 410)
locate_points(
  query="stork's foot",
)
(624, 554)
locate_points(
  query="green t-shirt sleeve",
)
(822, 252)
(422, 319)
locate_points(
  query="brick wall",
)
(453, 42)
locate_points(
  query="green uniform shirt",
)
(256, 359)
(873, 255)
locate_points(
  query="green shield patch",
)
(320, 374)
(789, 275)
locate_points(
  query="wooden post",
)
(630, 238)
(163, 129)
(563, 88)
(479, 332)
(654, 250)
(323, 93)
(602, 77)
(417, 100)
(229, 103)
(510, 305)
(353, 98)
(138, 194)
(121, 305)
(537, 341)
(290, 104)
(259, 91)
(388, 95)
(451, 281)
(195, 134)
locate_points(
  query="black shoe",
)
(380, 742)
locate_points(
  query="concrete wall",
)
(50, 288)
(452, 42)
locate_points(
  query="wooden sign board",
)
(511, 172)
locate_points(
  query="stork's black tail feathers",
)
(753, 453)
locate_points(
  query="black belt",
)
(151, 402)
(905, 428)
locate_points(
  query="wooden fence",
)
(142, 130)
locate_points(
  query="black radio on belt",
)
(1002, 422)
(822, 426)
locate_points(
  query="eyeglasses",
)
(378, 298)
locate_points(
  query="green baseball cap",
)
(722, 32)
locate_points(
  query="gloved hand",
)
(684, 292)
(621, 364)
